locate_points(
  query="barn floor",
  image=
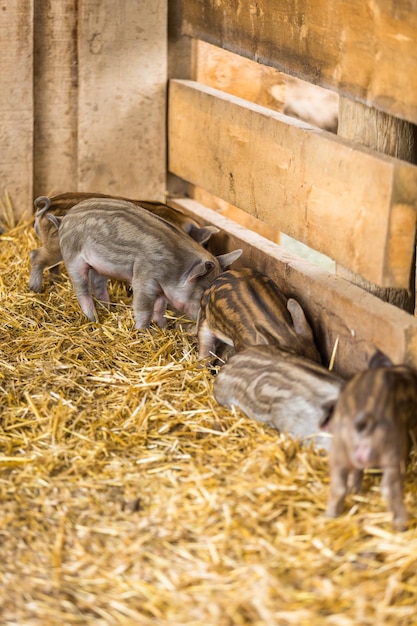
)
(128, 496)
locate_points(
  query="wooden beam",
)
(336, 309)
(350, 203)
(365, 50)
(16, 104)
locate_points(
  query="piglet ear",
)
(226, 260)
(200, 268)
(379, 359)
(325, 421)
(201, 234)
(301, 326)
(261, 338)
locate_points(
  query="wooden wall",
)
(83, 98)
(16, 101)
(351, 196)
(364, 50)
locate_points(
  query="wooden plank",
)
(335, 308)
(122, 97)
(365, 50)
(16, 103)
(56, 95)
(354, 205)
(377, 130)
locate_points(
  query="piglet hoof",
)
(334, 509)
(35, 286)
(400, 522)
(142, 325)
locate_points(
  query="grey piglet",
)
(108, 238)
(281, 389)
(48, 255)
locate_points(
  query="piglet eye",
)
(362, 421)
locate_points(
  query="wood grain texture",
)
(377, 130)
(16, 103)
(55, 96)
(362, 49)
(352, 204)
(335, 308)
(122, 97)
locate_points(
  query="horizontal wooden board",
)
(336, 309)
(352, 204)
(364, 50)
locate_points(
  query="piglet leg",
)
(78, 272)
(159, 308)
(40, 260)
(206, 341)
(355, 480)
(145, 295)
(99, 286)
(338, 490)
(392, 490)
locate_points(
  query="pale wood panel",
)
(55, 92)
(264, 85)
(366, 50)
(335, 308)
(390, 135)
(16, 103)
(352, 204)
(235, 214)
(122, 97)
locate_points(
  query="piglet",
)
(372, 425)
(244, 307)
(102, 238)
(280, 389)
(49, 254)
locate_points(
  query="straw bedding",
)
(128, 496)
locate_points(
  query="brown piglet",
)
(244, 307)
(373, 424)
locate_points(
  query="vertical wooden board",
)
(16, 103)
(55, 91)
(122, 97)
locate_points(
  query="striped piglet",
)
(107, 238)
(48, 255)
(244, 307)
(280, 389)
(373, 425)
